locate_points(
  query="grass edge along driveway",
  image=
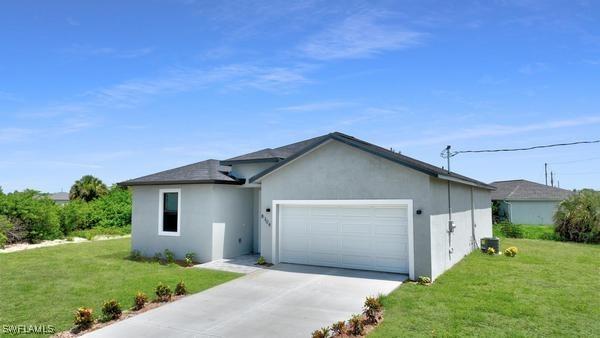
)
(44, 286)
(549, 289)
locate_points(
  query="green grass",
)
(531, 231)
(549, 289)
(44, 286)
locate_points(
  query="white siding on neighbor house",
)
(203, 206)
(336, 171)
(462, 241)
(531, 212)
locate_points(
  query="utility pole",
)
(551, 178)
(546, 172)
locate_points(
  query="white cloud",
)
(358, 36)
(88, 50)
(316, 106)
(493, 130)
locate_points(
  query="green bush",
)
(111, 310)
(424, 280)
(578, 217)
(75, 215)
(189, 258)
(169, 256)
(140, 300)
(261, 261)
(84, 317)
(35, 212)
(163, 293)
(180, 289)
(5, 227)
(111, 210)
(510, 230)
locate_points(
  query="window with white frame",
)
(169, 218)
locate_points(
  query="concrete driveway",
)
(286, 300)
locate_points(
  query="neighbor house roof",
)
(378, 151)
(527, 190)
(60, 196)
(209, 171)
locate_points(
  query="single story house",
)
(60, 198)
(526, 202)
(332, 200)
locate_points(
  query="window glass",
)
(170, 212)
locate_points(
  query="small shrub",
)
(163, 293)
(261, 261)
(169, 256)
(189, 258)
(490, 251)
(135, 255)
(510, 230)
(84, 317)
(111, 309)
(339, 328)
(157, 257)
(371, 309)
(322, 333)
(89, 236)
(69, 239)
(357, 326)
(140, 300)
(180, 289)
(424, 280)
(578, 217)
(511, 252)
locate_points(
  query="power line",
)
(454, 153)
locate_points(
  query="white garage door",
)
(368, 237)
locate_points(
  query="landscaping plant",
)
(189, 258)
(322, 333)
(135, 255)
(169, 256)
(180, 289)
(261, 261)
(157, 257)
(111, 309)
(511, 252)
(490, 251)
(140, 300)
(371, 309)
(424, 280)
(84, 317)
(510, 230)
(357, 326)
(339, 328)
(163, 293)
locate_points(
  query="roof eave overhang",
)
(458, 180)
(129, 184)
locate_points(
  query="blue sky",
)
(122, 89)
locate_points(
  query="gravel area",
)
(29, 246)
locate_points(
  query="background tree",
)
(578, 217)
(87, 189)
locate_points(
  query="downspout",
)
(450, 222)
(473, 225)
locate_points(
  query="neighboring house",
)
(60, 197)
(333, 200)
(526, 202)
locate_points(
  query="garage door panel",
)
(366, 236)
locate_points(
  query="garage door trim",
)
(276, 233)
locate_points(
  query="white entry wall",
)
(358, 234)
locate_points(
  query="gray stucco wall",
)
(461, 241)
(201, 206)
(338, 171)
(531, 212)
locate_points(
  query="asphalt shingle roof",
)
(209, 171)
(274, 155)
(527, 190)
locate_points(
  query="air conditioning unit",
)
(490, 242)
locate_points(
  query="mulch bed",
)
(75, 332)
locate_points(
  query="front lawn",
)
(549, 289)
(530, 231)
(44, 286)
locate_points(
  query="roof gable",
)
(527, 190)
(378, 151)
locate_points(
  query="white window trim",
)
(276, 233)
(161, 201)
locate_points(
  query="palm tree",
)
(88, 188)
